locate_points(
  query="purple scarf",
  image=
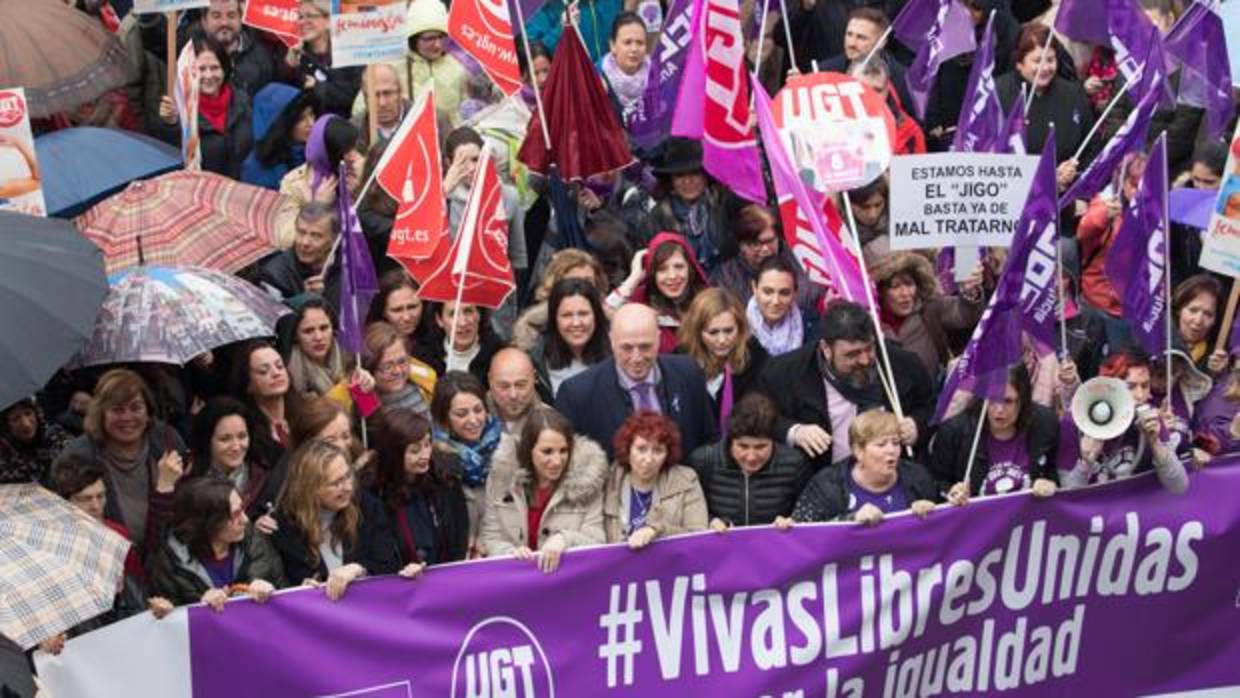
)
(785, 336)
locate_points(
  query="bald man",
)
(637, 377)
(513, 388)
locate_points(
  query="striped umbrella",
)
(63, 57)
(58, 566)
(184, 218)
(172, 314)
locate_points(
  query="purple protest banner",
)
(1205, 79)
(1025, 298)
(1129, 137)
(938, 30)
(652, 121)
(981, 116)
(1032, 597)
(1137, 261)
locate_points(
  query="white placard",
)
(21, 184)
(949, 199)
(1220, 243)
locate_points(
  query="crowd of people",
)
(679, 372)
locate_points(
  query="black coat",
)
(826, 496)
(222, 153)
(1063, 104)
(254, 65)
(895, 73)
(746, 380)
(177, 575)
(949, 452)
(432, 527)
(818, 34)
(596, 404)
(749, 500)
(794, 382)
(374, 549)
(433, 354)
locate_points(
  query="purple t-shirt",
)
(220, 571)
(1009, 465)
(891, 500)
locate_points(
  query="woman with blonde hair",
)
(568, 263)
(716, 335)
(400, 380)
(331, 533)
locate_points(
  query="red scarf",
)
(214, 108)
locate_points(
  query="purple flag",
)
(1136, 263)
(357, 271)
(1026, 298)
(652, 121)
(981, 116)
(1123, 27)
(939, 30)
(713, 104)
(1129, 137)
(846, 277)
(1012, 135)
(1196, 43)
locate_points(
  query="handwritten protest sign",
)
(280, 17)
(20, 187)
(1220, 243)
(947, 199)
(838, 130)
(366, 34)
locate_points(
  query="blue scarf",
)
(475, 457)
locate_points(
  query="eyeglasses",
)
(394, 366)
(761, 242)
(341, 482)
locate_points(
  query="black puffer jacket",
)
(177, 575)
(826, 496)
(949, 452)
(375, 548)
(748, 500)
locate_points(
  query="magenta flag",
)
(1137, 261)
(713, 105)
(846, 277)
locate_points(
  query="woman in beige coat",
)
(647, 495)
(544, 494)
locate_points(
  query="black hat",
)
(679, 156)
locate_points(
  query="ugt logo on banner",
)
(484, 29)
(501, 657)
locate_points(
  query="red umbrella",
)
(586, 135)
(184, 218)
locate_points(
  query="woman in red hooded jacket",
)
(666, 276)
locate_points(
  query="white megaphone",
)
(1103, 408)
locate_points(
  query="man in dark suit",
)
(866, 28)
(821, 387)
(598, 400)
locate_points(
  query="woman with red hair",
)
(1147, 444)
(648, 495)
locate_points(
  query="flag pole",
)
(171, 46)
(1063, 302)
(1050, 36)
(529, 66)
(1103, 116)
(977, 437)
(879, 45)
(465, 243)
(783, 10)
(889, 387)
(757, 59)
(1165, 223)
(1229, 315)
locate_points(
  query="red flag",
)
(280, 17)
(483, 28)
(476, 270)
(409, 172)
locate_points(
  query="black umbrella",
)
(51, 287)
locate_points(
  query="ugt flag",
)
(409, 172)
(713, 105)
(484, 29)
(1123, 27)
(1137, 261)
(1129, 137)
(1025, 299)
(981, 116)
(1196, 43)
(823, 255)
(358, 284)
